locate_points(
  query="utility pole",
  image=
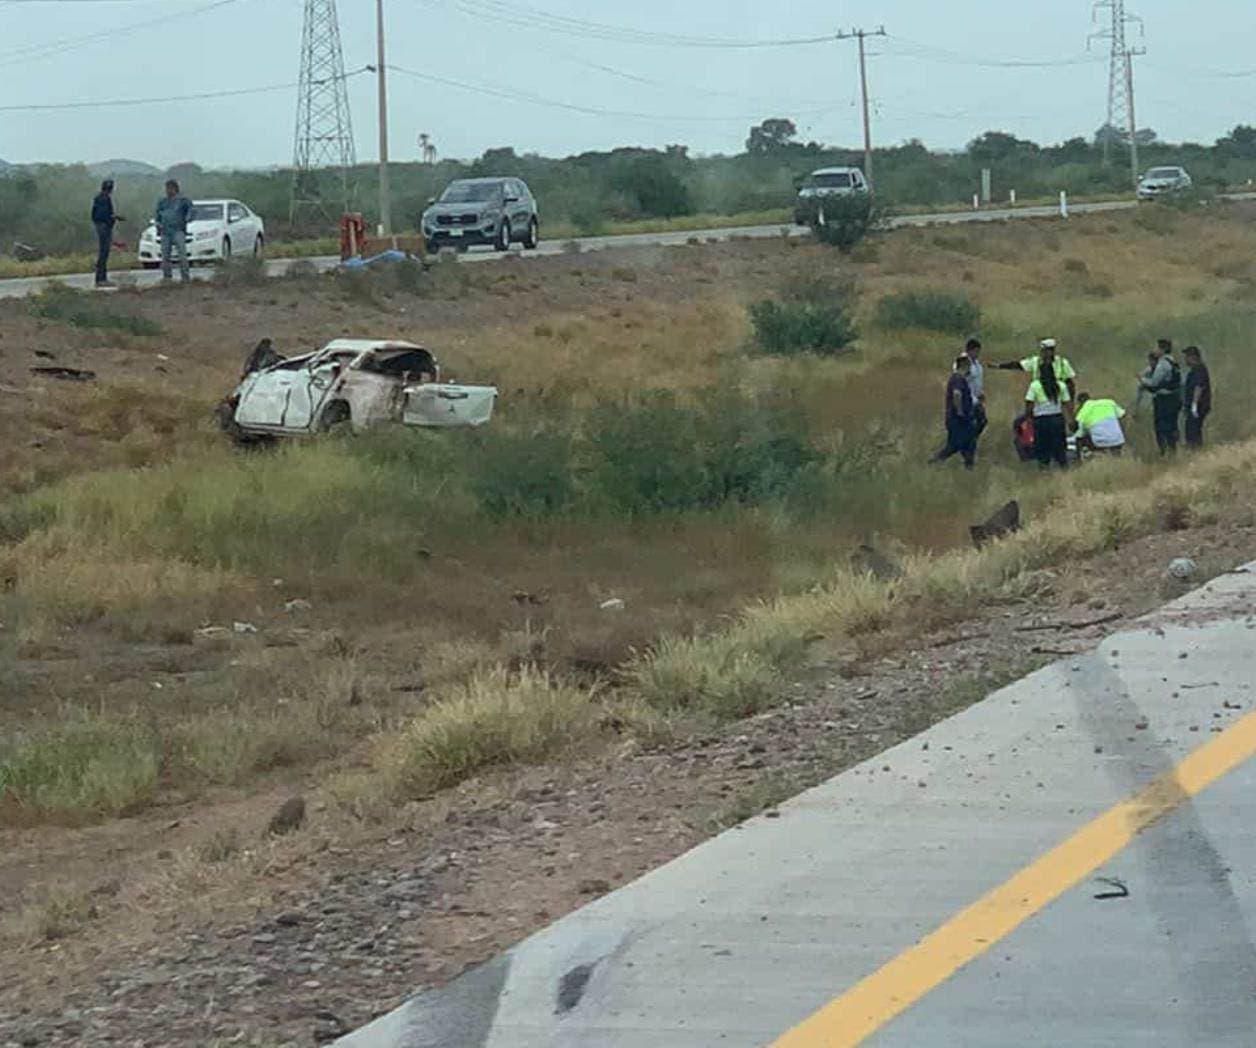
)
(860, 35)
(385, 196)
(1129, 91)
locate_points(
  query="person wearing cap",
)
(1047, 350)
(1099, 424)
(104, 219)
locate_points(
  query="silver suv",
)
(497, 211)
(827, 181)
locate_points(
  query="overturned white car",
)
(354, 383)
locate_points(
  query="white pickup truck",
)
(358, 383)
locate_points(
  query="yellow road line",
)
(869, 1005)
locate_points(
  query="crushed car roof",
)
(361, 345)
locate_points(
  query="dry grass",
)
(474, 641)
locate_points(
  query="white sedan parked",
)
(217, 229)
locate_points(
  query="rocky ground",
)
(296, 941)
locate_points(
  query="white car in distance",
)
(217, 229)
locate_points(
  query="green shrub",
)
(802, 327)
(522, 474)
(948, 312)
(661, 454)
(85, 309)
(88, 765)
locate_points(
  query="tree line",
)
(46, 206)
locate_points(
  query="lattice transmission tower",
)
(1120, 74)
(324, 131)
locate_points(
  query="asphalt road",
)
(18, 288)
(1070, 862)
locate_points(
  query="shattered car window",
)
(405, 362)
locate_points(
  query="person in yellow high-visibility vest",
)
(1099, 424)
(1047, 351)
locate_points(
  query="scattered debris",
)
(64, 373)
(243, 627)
(1182, 568)
(1117, 888)
(289, 817)
(296, 604)
(614, 604)
(524, 597)
(1006, 521)
(212, 631)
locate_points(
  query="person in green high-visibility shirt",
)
(1047, 351)
(1099, 424)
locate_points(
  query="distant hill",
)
(6, 166)
(122, 167)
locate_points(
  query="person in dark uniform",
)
(1197, 396)
(104, 219)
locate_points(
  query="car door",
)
(238, 229)
(307, 394)
(264, 398)
(517, 209)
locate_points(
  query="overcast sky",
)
(704, 97)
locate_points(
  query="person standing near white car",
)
(171, 219)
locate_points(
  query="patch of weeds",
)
(495, 720)
(241, 271)
(220, 846)
(83, 309)
(61, 914)
(88, 766)
(943, 311)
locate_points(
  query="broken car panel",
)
(356, 382)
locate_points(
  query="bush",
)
(802, 327)
(522, 474)
(241, 271)
(89, 310)
(945, 311)
(662, 455)
(843, 221)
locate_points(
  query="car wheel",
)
(335, 417)
(257, 246)
(533, 235)
(503, 237)
(226, 248)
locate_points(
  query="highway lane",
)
(21, 287)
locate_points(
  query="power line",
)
(36, 51)
(107, 103)
(930, 53)
(522, 17)
(524, 96)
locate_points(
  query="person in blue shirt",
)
(104, 219)
(171, 218)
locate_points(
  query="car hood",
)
(441, 208)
